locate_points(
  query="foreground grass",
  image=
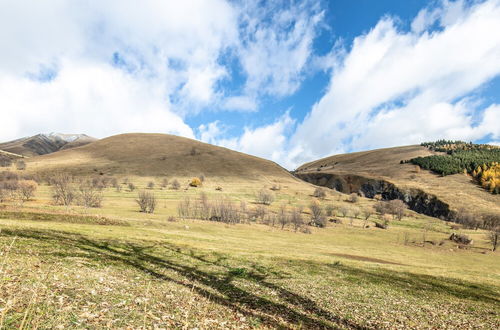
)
(209, 275)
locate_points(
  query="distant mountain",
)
(42, 144)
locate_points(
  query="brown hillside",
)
(157, 155)
(384, 164)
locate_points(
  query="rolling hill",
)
(157, 155)
(42, 144)
(380, 172)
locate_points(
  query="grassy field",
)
(70, 267)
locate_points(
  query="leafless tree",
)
(151, 185)
(356, 212)
(344, 210)
(131, 186)
(63, 192)
(264, 197)
(318, 218)
(283, 217)
(146, 201)
(164, 183)
(89, 194)
(21, 165)
(175, 184)
(184, 208)
(367, 214)
(353, 198)
(26, 189)
(397, 208)
(296, 218)
(319, 192)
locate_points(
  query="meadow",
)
(115, 267)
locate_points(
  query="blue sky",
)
(288, 81)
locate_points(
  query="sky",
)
(290, 81)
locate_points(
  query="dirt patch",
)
(368, 259)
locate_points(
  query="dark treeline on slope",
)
(461, 157)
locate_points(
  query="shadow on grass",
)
(218, 285)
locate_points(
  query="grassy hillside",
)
(158, 155)
(116, 267)
(457, 190)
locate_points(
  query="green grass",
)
(62, 267)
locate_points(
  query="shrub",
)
(146, 201)
(319, 193)
(202, 178)
(296, 218)
(353, 198)
(264, 197)
(283, 218)
(184, 208)
(175, 184)
(344, 210)
(171, 219)
(330, 210)
(195, 182)
(397, 208)
(384, 223)
(382, 207)
(131, 186)
(224, 210)
(356, 212)
(89, 195)
(164, 183)
(318, 218)
(21, 165)
(63, 192)
(151, 185)
(275, 187)
(5, 161)
(27, 189)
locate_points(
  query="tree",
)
(27, 189)
(353, 198)
(164, 183)
(264, 197)
(319, 193)
(397, 208)
(356, 212)
(296, 218)
(283, 217)
(146, 201)
(89, 194)
(344, 210)
(151, 185)
(63, 192)
(493, 236)
(175, 184)
(367, 214)
(318, 218)
(131, 186)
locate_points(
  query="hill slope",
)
(157, 155)
(380, 172)
(42, 144)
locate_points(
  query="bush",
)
(344, 210)
(264, 197)
(296, 218)
(195, 182)
(275, 187)
(151, 185)
(184, 208)
(171, 219)
(27, 189)
(319, 193)
(175, 184)
(131, 186)
(164, 183)
(283, 218)
(89, 195)
(330, 210)
(318, 218)
(146, 201)
(63, 192)
(21, 165)
(353, 198)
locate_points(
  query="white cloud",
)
(396, 87)
(268, 141)
(166, 64)
(243, 103)
(276, 44)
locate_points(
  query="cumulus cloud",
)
(398, 87)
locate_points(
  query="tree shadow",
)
(219, 286)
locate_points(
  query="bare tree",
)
(131, 186)
(397, 208)
(317, 215)
(344, 210)
(319, 193)
(184, 208)
(283, 217)
(164, 183)
(353, 198)
(175, 184)
(89, 194)
(146, 201)
(151, 185)
(63, 192)
(26, 189)
(367, 214)
(356, 212)
(296, 218)
(264, 197)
